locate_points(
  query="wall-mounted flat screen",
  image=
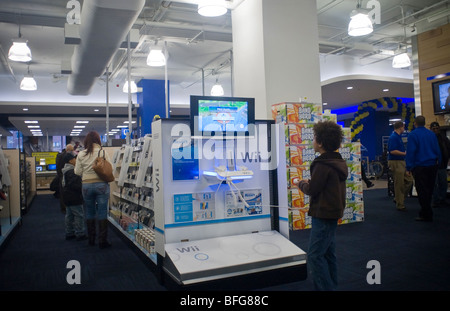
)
(441, 96)
(214, 116)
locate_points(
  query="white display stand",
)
(201, 214)
(229, 256)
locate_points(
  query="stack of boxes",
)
(299, 120)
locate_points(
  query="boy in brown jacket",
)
(326, 190)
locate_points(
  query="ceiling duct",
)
(104, 26)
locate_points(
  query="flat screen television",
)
(51, 167)
(222, 117)
(441, 96)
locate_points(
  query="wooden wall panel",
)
(433, 49)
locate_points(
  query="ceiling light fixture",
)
(360, 22)
(133, 88)
(156, 58)
(19, 51)
(401, 61)
(212, 8)
(28, 83)
(217, 89)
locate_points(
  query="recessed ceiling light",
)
(96, 110)
(349, 87)
(128, 122)
(80, 126)
(31, 122)
(25, 109)
(385, 90)
(33, 126)
(122, 126)
(324, 104)
(81, 122)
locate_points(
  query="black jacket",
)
(71, 185)
(327, 186)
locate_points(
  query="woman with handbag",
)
(95, 189)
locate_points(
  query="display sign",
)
(48, 157)
(194, 207)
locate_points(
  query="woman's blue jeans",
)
(96, 198)
(321, 260)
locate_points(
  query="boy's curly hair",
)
(329, 134)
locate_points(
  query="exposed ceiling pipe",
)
(105, 24)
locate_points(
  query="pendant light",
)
(28, 83)
(360, 22)
(156, 58)
(217, 89)
(401, 61)
(212, 8)
(133, 88)
(19, 51)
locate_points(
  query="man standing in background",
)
(396, 162)
(423, 157)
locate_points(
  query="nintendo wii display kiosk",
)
(220, 198)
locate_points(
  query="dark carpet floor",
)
(413, 256)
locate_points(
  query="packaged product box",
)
(355, 212)
(300, 155)
(347, 135)
(354, 171)
(299, 219)
(351, 152)
(300, 172)
(297, 199)
(354, 192)
(299, 134)
(291, 112)
(328, 116)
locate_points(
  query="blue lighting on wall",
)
(345, 110)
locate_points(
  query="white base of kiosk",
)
(217, 258)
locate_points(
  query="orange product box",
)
(300, 172)
(299, 134)
(300, 155)
(299, 219)
(297, 199)
(292, 112)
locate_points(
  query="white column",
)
(276, 52)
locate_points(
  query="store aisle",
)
(412, 255)
(37, 255)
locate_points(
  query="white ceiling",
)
(197, 46)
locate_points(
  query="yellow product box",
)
(357, 211)
(351, 152)
(354, 172)
(299, 219)
(299, 134)
(347, 135)
(354, 192)
(297, 199)
(328, 116)
(300, 172)
(291, 112)
(300, 155)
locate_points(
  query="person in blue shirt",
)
(396, 162)
(422, 159)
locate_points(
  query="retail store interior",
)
(290, 64)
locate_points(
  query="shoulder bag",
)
(103, 168)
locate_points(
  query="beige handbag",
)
(103, 168)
